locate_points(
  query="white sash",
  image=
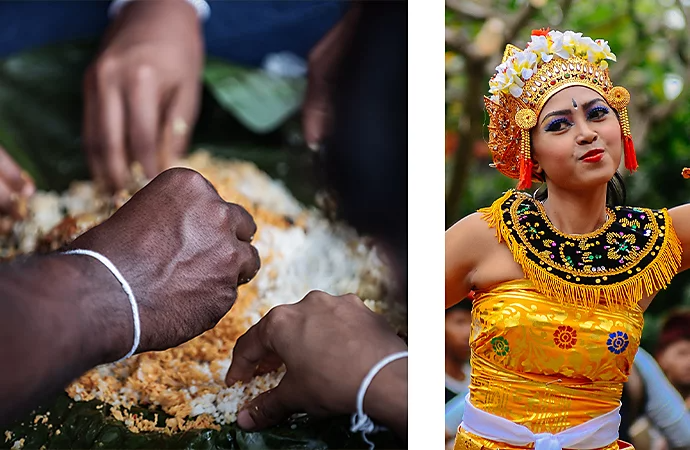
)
(595, 433)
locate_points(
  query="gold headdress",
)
(527, 79)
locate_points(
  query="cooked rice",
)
(300, 249)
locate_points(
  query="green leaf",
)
(259, 100)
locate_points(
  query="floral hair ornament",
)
(526, 79)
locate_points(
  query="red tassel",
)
(525, 174)
(629, 152)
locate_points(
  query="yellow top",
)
(556, 366)
(544, 365)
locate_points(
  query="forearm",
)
(59, 316)
(386, 398)
(665, 407)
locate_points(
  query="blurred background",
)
(651, 41)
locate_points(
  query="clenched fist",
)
(183, 250)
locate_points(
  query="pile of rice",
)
(300, 250)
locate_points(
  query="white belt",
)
(595, 433)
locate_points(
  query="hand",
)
(324, 62)
(328, 345)
(183, 250)
(15, 184)
(141, 95)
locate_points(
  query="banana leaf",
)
(40, 120)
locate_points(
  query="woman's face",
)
(576, 143)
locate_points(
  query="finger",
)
(14, 177)
(316, 113)
(104, 124)
(90, 126)
(179, 118)
(251, 263)
(111, 132)
(246, 227)
(270, 408)
(269, 363)
(248, 352)
(7, 198)
(143, 121)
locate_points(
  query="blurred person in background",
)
(653, 415)
(365, 153)
(673, 351)
(458, 327)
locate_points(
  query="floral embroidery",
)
(621, 247)
(565, 337)
(617, 342)
(500, 345)
(625, 245)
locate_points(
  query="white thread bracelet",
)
(360, 421)
(125, 286)
(203, 10)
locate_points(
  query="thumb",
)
(269, 408)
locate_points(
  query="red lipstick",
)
(593, 156)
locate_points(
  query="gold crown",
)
(511, 116)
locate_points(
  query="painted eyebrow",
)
(565, 112)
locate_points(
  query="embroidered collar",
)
(636, 248)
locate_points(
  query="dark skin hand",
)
(183, 251)
(142, 93)
(328, 345)
(324, 61)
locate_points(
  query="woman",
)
(561, 280)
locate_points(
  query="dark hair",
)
(616, 194)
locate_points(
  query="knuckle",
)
(277, 316)
(186, 177)
(314, 295)
(143, 74)
(352, 298)
(105, 68)
(255, 259)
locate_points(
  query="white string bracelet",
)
(201, 7)
(360, 421)
(125, 286)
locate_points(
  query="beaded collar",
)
(636, 251)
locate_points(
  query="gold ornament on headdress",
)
(527, 79)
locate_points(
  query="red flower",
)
(565, 337)
(541, 32)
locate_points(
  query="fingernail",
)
(245, 420)
(28, 189)
(313, 146)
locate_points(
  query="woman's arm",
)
(462, 256)
(680, 215)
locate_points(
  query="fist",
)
(183, 250)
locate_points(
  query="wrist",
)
(386, 398)
(105, 316)
(200, 7)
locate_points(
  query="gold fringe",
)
(627, 294)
